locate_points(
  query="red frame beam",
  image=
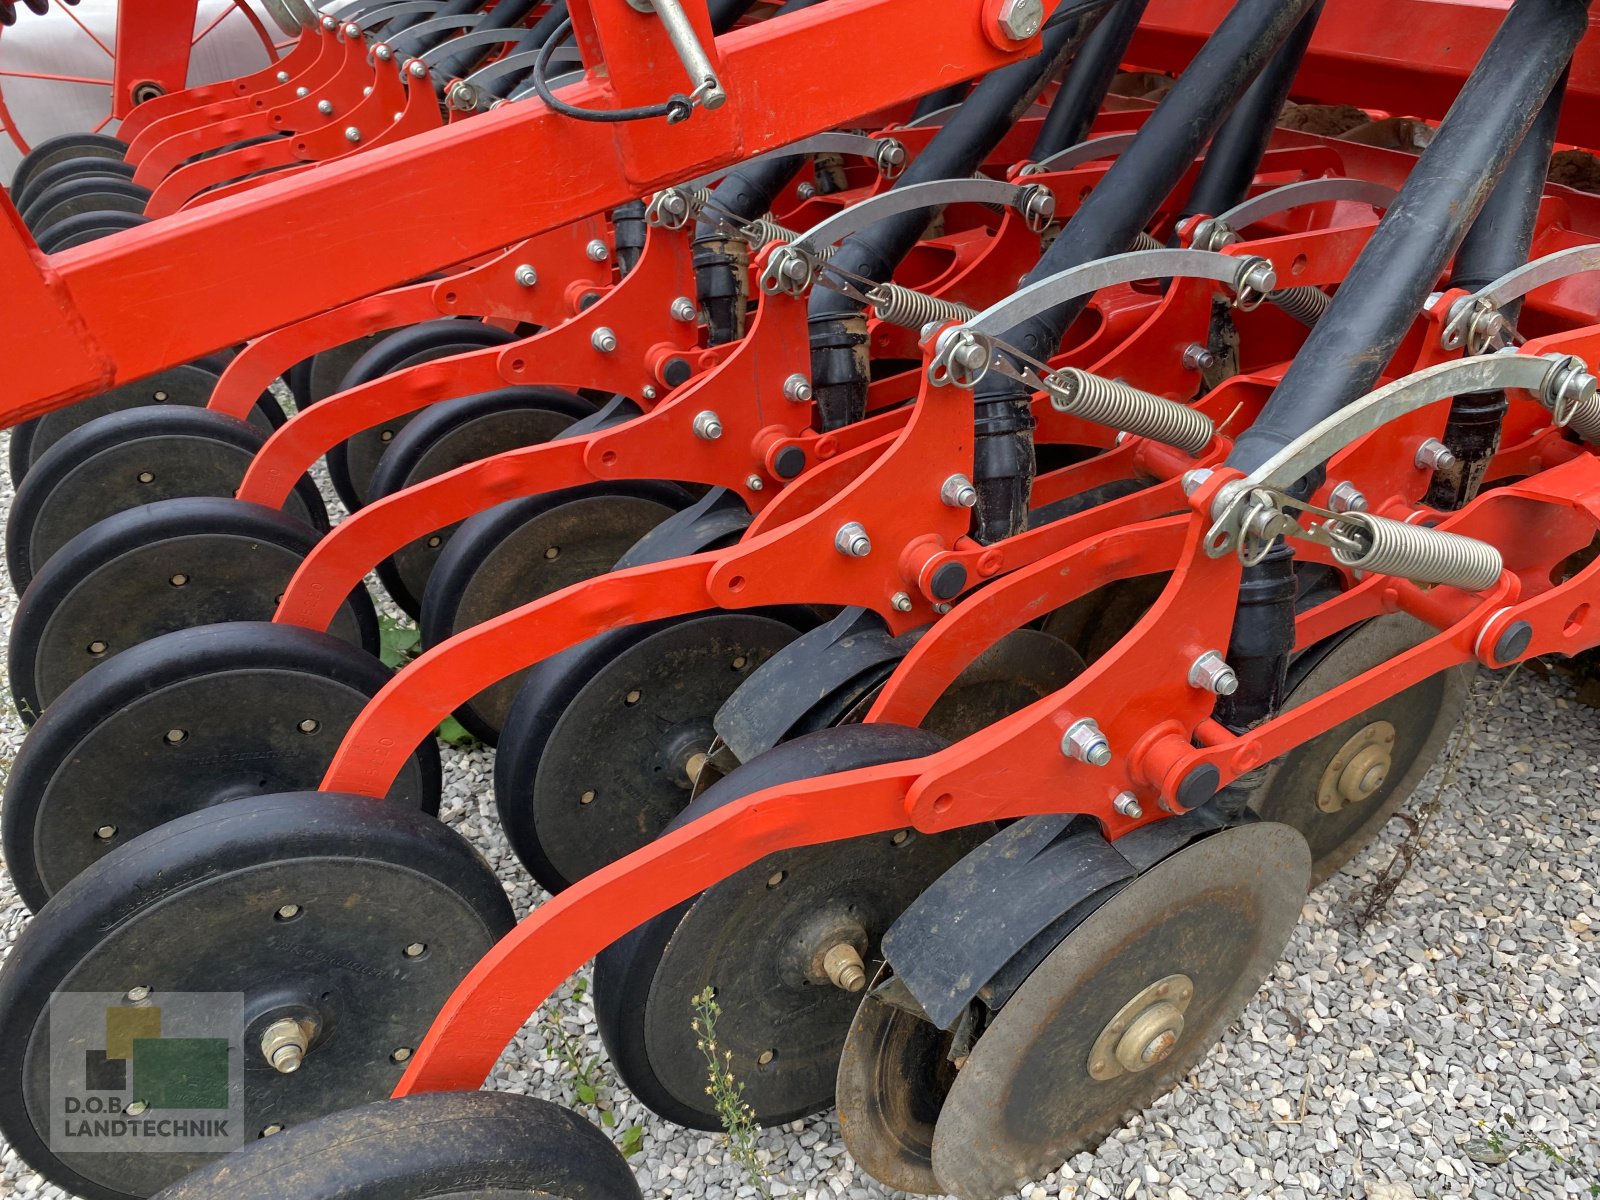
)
(186, 285)
(154, 40)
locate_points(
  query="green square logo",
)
(181, 1072)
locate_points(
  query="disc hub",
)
(1359, 769)
(1145, 1031)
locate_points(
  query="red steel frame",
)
(118, 309)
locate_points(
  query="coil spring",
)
(1143, 241)
(1107, 402)
(1586, 421)
(1418, 553)
(764, 229)
(1304, 304)
(912, 309)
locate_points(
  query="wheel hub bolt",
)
(1212, 673)
(844, 966)
(1085, 742)
(284, 1044)
(1151, 1037)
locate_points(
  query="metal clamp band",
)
(1469, 319)
(794, 268)
(1109, 146)
(1547, 376)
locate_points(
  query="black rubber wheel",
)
(86, 194)
(352, 462)
(756, 939)
(598, 750)
(1340, 788)
(451, 434)
(352, 918)
(176, 564)
(126, 459)
(87, 227)
(189, 385)
(69, 168)
(327, 368)
(523, 549)
(60, 149)
(439, 1146)
(186, 721)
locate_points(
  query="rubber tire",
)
(63, 147)
(624, 972)
(425, 1145)
(69, 168)
(87, 227)
(409, 347)
(186, 852)
(70, 458)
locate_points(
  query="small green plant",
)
(1502, 1145)
(587, 1077)
(737, 1117)
(398, 643)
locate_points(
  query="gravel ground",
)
(1393, 1061)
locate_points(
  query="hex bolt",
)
(649, 391)
(352, 30)
(283, 77)
(603, 340)
(845, 968)
(325, 107)
(707, 426)
(284, 1044)
(1197, 358)
(352, 134)
(382, 53)
(683, 309)
(1020, 19)
(416, 68)
(941, 608)
(1434, 455)
(461, 96)
(301, 93)
(1347, 498)
(1193, 480)
(1211, 673)
(958, 492)
(597, 251)
(1085, 742)
(1127, 804)
(798, 389)
(852, 540)
(901, 602)
(525, 275)
(754, 483)
(805, 191)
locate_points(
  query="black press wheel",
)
(87, 227)
(186, 721)
(69, 168)
(518, 551)
(441, 1146)
(451, 434)
(176, 564)
(786, 947)
(125, 459)
(351, 463)
(323, 933)
(63, 148)
(604, 743)
(189, 384)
